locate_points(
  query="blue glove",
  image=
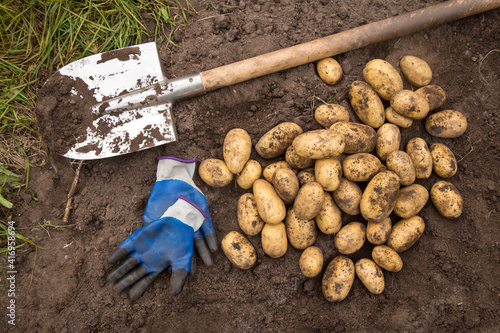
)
(175, 221)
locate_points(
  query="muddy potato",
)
(214, 172)
(416, 71)
(328, 114)
(250, 173)
(350, 238)
(405, 233)
(309, 201)
(311, 261)
(361, 167)
(306, 176)
(411, 199)
(444, 162)
(421, 156)
(367, 104)
(397, 119)
(370, 275)
(338, 279)
(275, 142)
(286, 184)
(383, 78)
(328, 172)
(329, 218)
(358, 138)
(379, 196)
(348, 196)
(238, 250)
(434, 95)
(236, 149)
(274, 241)
(388, 140)
(387, 258)
(401, 163)
(249, 219)
(318, 144)
(269, 170)
(301, 233)
(296, 161)
(410, 104)
(329, 70)
(446, 124)
(378, 232)
(447, 199)
(271, 208)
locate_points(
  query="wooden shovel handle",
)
(342, 42)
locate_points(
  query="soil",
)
(449, 282)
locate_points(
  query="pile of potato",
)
(358, 169)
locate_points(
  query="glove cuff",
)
(176, 168)
(186, 212)
(192, 160)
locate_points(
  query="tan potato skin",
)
(318, 144)
(405, 233)
(311, 261)
(388, 140)
(214, 172)
(421, 156)
(446, 124)
(397, 119)
(370, 275)
(377, 233)
(410, 104)
(434, 95)
(447, 199)
(274, 240)
(236, 149)
(416, 71)
(269, 170)
(338, 279)
(249, 219)
(411, 199)
(361, 167)
(286, 184)
(383, 78)
(329, 70)
(250, 173)
(275, 142)
(367, 104)
(358, 138)
(387, 258)
(309, 201)
(306, 176)
(444, 163)
(328, 114)
(328, 172)
(238, 250)
(271, 208)
(296, 161)
(348, 196)
(350, 238)
(380, 196)
(401, 163)
(329, 218)
(301, 233)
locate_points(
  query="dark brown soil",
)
(449, 282)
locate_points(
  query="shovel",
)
(142, 118)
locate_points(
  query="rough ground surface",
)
(449, 282)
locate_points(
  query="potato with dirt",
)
(236, 149)
(296, 161)
(274, 240)
(318, 144)
(249, 219)
(301, 233)
(397, 119)
(417, 71)
(270, 206)
(387, 258)
(421, 156)
(361, 167)
(329, 70)
(309, 201)
(405, 233)
(371, 275)
(328, 172)
(444, 163)
(269, 170)
(377, 233)
(410, 104)
(350, 238)
(447, 199)
(214, 172)
(238, 250)
(328, 114)
(250, 173)
(348, 196)
(367, 104)
(388, 140)
(448, 124)
(411, 199)
(383, 78)
(286, 184)
(358, 138)
(379, 196)
(306, 176)
(338, 279)
(275, 142)
(311, 262)
(401, 163)
(329, 218)
(433, 94)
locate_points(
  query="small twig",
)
(72, 192)
(481, 63)
(470, 151)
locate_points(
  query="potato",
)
(214, 172)
(383, 78)
(296, 161)
(250, 173)
(237, 148)
(358, 138)
(286, 184)
(329, 70)
(274, 241)
(405, 233)
(238, 250)
(271, 208)
(311, 261)
(447, 199)
(249, 219)
(269, 170)
(306, 176)
(410, 104)
(388, 140)
(401, 163)
(328, 172)
(329, 218)
(446, 124)
(411, 199)
(318, 144)
(309, 201)
(370, 275)
(416, 71)
(361, 167)
(338, 279)
(380, 196)
(434, 95)
(397, 119)
(348, 196)
(421, 156)
(378, 232)
(387, 258)
(301, 233)
(275, 142)
(444, 162)
(367, 104)
(350, 238)
(328, 114)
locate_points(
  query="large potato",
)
(397, 119)
(405, 233)
(236, 149)
(274, 241)
(214, 172)
(446, 124)
(361, 167)
(401, 163)
(358, 138)
(329, 70)
(434, 95)
(383, 78)
(249, 219)
(319, 144)
(367, 104)
(380, 196)
(275, 142)
(378, 232)
(309, 201)
(416, 71)
(410, 104)
(370, 275)
(447, 199)
(301, 233)
(329, 218)
(269, 204)
(421, 156)
(311, 261)
(387, 258)
(388, 140)
(296, 161)
(411, 199)
(286, 184)
(444, 162)
(250, 173)
(350, 238)
(348, 196)
(269, 170)
(328, 114)
(328, 172)
(238, 250)
(338, 279)
(306, 176)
